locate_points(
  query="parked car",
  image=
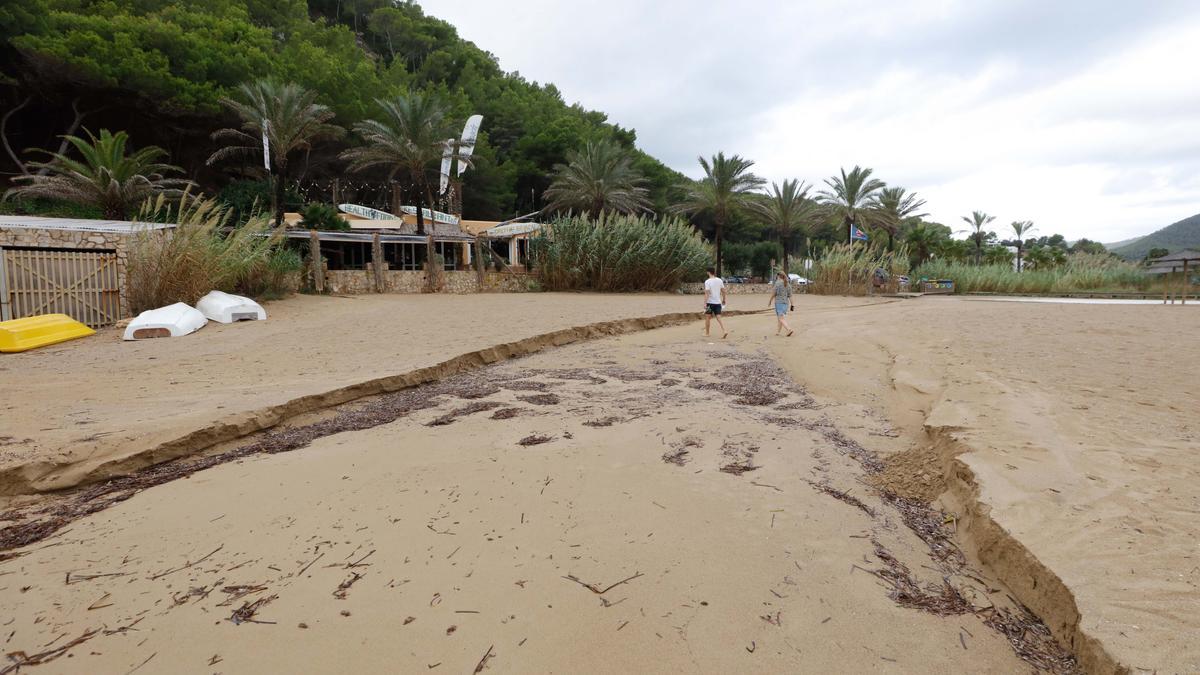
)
(735, 280)
(797, 280)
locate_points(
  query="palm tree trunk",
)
(783, 246)
(4, 134)
(280, 186)
(718, 233)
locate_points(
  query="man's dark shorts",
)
(713, 308)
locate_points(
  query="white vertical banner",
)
(466, 146)
(447, 159)
(266, 147)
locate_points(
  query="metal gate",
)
(84, 285)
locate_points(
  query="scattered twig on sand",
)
(99, 604)
(139, 666)
(190, 564)
(534, 439)
(773, 619)
(506, 413)
(310, 564)
(1031, 639)
(21, 659)
(541, 399)
(596, 589)
(125, 628)
(623, 624)
(470, 409)
(483, 662)
(843, 496)
(945, 600)
(752, 647)
(344, 587)
(359, 562)
(677, 456)
(215, 659)
(238, 592)
(245, 613)
(766, 486)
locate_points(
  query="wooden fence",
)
(84, 285)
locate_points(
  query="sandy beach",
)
(747, 498)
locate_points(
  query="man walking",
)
(714, 299)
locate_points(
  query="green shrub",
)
(200, 254)
(323, 217)
(275, 277)
(248, 198)
(846, 269)
(49, 208)
(1080, 272)
(617, 252)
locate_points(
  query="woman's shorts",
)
(781, 308)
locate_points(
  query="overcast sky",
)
(1080, 115)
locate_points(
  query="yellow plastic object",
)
(32, 332)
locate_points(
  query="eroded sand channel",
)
(492, 515)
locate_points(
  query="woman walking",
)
(781, 297)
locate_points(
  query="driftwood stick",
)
(596, 589)
(191, 564)
(483, 662)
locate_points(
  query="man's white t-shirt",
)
(712, 290)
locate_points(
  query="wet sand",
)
(647, 503)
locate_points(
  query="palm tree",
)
(599, 178)
(106, 177)
(849, 197)
(409, 139)
(891, 206)
(1021, 228)
(787, 211)
(724, 191)
(921, 240)
(294, 121)
(978, 220)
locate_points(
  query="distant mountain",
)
(1181, 235)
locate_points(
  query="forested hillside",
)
(158, 69)
(1174, 237)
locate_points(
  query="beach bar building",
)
(349, 256)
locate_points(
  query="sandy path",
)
(471, 534)
(88, 401)
(1078, 429)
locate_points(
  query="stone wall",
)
(730, 289)
(75, 239)
(354, 282)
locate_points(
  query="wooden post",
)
(396, 201)
(337, 193)
(1183, 298)
(377, 261)
(479, 261)
(314, 254)
(1166, 284)
(431, 273)
(5, 307)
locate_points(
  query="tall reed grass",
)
(846, 269)
(1082, 272)
(201, 254)
(617, 252)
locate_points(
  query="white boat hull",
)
(174, 320)
(226, 308)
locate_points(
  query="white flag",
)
(467, 145)
(266, 147)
